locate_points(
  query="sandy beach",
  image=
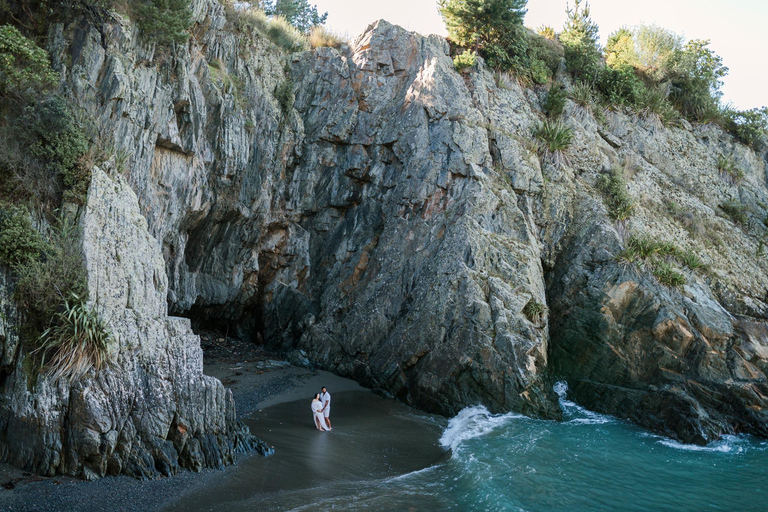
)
(373, 438)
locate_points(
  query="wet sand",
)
(372, 439)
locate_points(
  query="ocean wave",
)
(727, 444)
(471, 423)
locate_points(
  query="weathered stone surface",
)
(137, 416)
(389, 222)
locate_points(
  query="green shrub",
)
(696, 77)
(549, 51)
(464, 61)
(615, 193)
(164, 21)
(43, 282)
(555, 102)
(691, 260)
(77, 341)
(55, 139)
(620, 86)
(20, 243)
(668, 275)
(736, 211)
(25, 68)
(749, 126)
(284, 96)
(535, 311)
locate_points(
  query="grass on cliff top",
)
(255, 23)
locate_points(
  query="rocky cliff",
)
(390, 217)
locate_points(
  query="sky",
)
(735, 27)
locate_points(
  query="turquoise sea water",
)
(588, 462)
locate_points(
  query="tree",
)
(579, 38)
(298, 13)
(479, 24)
(696, 76)
(620, 49)
(165, 21)
(25, 68)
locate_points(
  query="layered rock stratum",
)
(390, 217)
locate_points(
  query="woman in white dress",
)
(317, 412)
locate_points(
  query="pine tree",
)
(298, 13)
(478, 24)
(579, 38)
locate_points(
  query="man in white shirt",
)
(325, 398)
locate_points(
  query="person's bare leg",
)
(328, 422)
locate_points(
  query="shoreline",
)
(259, 381)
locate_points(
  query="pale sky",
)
(735, 27)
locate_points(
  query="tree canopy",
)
(477, 24)
(299, 13)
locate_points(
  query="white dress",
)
(317, 414)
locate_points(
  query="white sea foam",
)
(726, 444)
(585, 416)
(470, 423)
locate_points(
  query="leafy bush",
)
(548, 51)
(749, 126)
(555, 102)
(77, 341)
(617, 198)
(165, 21)
(54, 138)
(320, 37)
(620, 86)
(43, 282)
(20, 243)
(464, 61)
(25, 68)
(696, 77)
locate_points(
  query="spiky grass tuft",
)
(78, 341)
(554, 138)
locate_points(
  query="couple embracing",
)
(321, 410)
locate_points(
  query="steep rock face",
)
(689, 362)
(152, 410)
(390, 217)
